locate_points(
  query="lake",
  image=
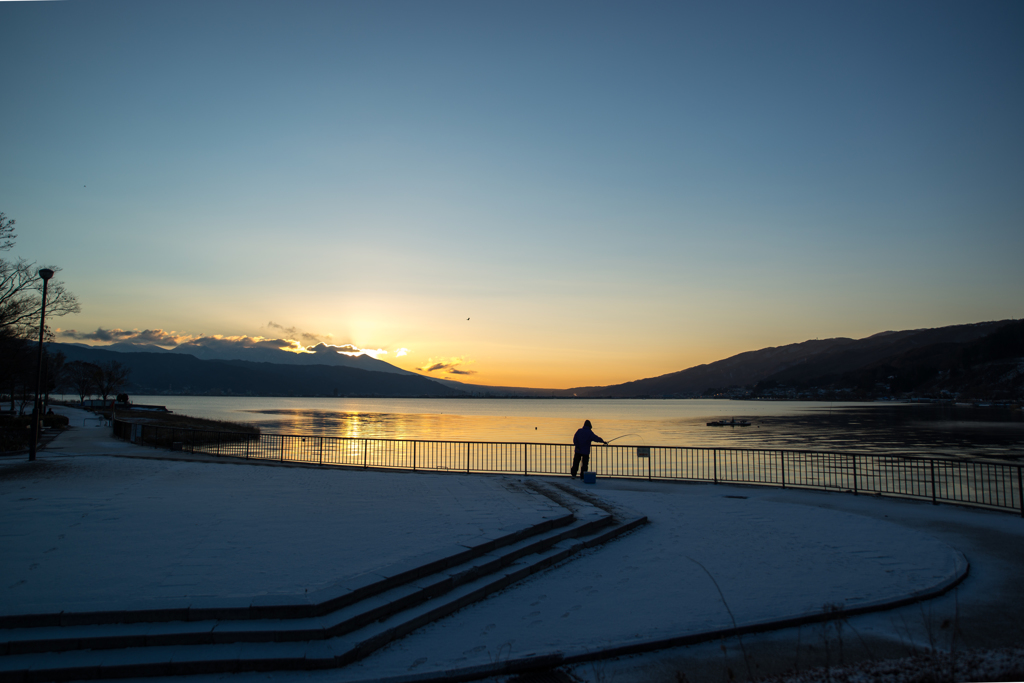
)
(879, 428)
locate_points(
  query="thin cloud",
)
(307, 337)
(330, 348)
(450, 366)
(401, 352)
(100, 334)
(432, 367)
(218, 341)
(158, 337)
(274, 326)
(345, 349)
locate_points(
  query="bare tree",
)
(6, 232)
(53, 371)
(21, 291)
(21, 298)
(82, 377)
(16, 364)
(113, 376)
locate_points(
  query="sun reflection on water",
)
(418, 426)
(895, 429)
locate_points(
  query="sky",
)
(537, 194)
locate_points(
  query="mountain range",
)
(952, 359)
(321, 354)
(168, 372)
(982, 360)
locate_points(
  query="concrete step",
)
(346, 591)
(326, 641)
(343, 620)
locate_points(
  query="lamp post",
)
(45, 274)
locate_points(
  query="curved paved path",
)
(706, 561)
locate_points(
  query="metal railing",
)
(987, 484)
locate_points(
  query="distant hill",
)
(178, 373)
(130, 347)
(212, 349)
(321, 354)
(990, 367)
(483, 390)
(807, 364)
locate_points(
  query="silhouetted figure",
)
(581, 441)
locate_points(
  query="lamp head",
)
(45, 273)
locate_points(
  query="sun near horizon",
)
(518, 194)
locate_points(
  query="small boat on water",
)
(729, 423)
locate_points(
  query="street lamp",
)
(45, 274)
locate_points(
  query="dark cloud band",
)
(158, 337)
(450, 367)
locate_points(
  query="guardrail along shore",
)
(985, 484)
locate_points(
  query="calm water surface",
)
(894, 428)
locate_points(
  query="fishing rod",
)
(623, 436)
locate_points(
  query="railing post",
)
(782, 458)
(467, 457)
(365, 444)
(1020, 490)
(714, 456)
(526, 468)
(413, 456)
(321, 450)
(934, 502)
(854, 474)
(218, 443)
(247, 449)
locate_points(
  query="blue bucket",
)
(590, 477)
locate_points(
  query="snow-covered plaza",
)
(97, 525)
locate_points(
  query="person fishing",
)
(581, 441)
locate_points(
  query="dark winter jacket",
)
(582, 439)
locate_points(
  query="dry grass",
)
(1004, 664)
(177, 421)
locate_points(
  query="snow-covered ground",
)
(771, 561)
(111, 533)
(96, 529)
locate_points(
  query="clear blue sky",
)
(608, 191)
